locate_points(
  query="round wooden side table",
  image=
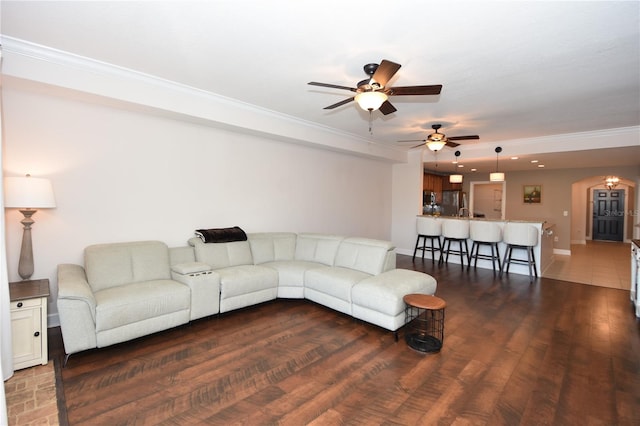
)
(424, 322)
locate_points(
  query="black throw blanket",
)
(221, 235)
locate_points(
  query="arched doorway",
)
(584, 194)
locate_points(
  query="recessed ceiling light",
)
(540, 165)
(514, 158)
(534, 161)
(461, 165)
(474, 170)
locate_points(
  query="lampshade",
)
(496, 177)
(370, 101)
(455, 178)
(435, 145)
(28, 192)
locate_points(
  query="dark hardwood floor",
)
(547, 353)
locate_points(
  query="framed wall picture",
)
(532, 194)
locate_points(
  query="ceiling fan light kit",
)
(435, 145)
(371, 101)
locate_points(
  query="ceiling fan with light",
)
(372, 93)
(436, 140)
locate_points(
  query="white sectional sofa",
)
(128, 290)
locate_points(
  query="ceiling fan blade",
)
(346, 101)
(463, 138)
(415, 90)
(333, 86)
(413, 140)
(386, 108)
(385, 71)
(451, 144)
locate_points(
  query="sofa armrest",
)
(204, 284)
(76, 309)
(73, 284)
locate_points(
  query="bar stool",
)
(523, 237)
(457, 231)
(429, 228)
(489, 234)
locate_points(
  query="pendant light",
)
(497, 176)
(456, 177)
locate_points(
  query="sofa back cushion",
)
(272, 246)
(317, 248)
(222, 255)
(363, 254)
(114, 264)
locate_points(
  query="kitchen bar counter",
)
(543, 251)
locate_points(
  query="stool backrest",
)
(520, 234)
(455, 228)
(429, 226)
(488, 232)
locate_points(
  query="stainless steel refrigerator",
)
(452, 202)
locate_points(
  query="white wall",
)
(407, 201)
(120, 175)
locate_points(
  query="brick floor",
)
(31, 396)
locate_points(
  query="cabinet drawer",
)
(26, 303)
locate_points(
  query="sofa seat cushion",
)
(291, 272)
(334, 281)
(245, 279)
(384, 293)
(130, 303)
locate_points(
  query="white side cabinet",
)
(29, 322)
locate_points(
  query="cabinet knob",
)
(36, 334)
(19, 304)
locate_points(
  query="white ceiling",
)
(510, 70)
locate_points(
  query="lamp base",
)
(25, 265)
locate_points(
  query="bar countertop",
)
(545, 224)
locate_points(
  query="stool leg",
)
(529, 261)
(466, 251)
(505, 262)
(416, 248)
(475, 246)
(433, 253)
(498, 256)
(493, 257)
(446, 260)
(533, 262)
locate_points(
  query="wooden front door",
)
(608, 214)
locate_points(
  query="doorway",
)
(608, 215)
(487, 199)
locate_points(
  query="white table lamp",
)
(27, 194)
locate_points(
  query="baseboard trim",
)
(562, 251)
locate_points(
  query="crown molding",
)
(41, 64)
